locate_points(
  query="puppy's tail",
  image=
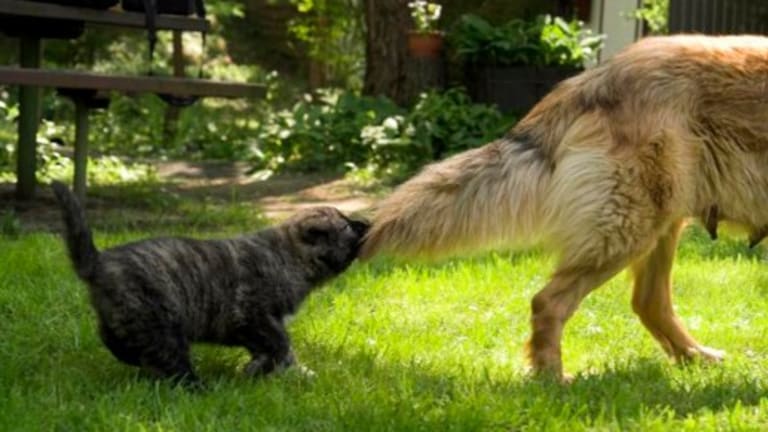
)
(483, 198)
(78, 237)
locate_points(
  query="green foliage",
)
(439, 124)
(53, 161)
(333, 33)
(319, 132)
(209, 129)
(10, 225)
(546, 41)
(655, 13)
(334, 129)
(8, 113)
(425, 15)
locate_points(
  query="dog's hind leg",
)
(652, 301)
(553, 305)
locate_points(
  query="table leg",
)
(29, 109)
(81, 147)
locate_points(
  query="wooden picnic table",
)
(31, 78)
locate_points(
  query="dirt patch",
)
(277, 196)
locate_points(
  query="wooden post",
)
(29, 111)
(171, 119)
(178, 54)
(81, 147)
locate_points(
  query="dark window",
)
(718, 16)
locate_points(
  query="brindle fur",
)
(154, 297)
(604, 171)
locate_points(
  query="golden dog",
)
(604, 171)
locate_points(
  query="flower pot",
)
(425, 45)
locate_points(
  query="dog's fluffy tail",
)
(483, 198)
(78, 237)
(491, 196)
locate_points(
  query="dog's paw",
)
(706, 353)
(701, 353)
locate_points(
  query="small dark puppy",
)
(154, 297)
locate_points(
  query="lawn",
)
(394, 346)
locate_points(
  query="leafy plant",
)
(53, 161)
(320, 131)
(546, 41)
(425, 15)
(8, 113)
(439, 124)
(333, 34)
(655, 14)
(334, 129)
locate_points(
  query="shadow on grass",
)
(627, 393)
(696, 242)
(364, 384)
(153, 208)
(622, 394)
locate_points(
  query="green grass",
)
(394, 347)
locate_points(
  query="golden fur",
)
(604, 171)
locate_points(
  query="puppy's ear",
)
(359, 226)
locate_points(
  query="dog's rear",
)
(603, 171)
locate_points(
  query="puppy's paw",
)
(258, 366)
(263, 364)
(287, 361)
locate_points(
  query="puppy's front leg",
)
(270, 346)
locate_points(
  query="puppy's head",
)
(326, 239)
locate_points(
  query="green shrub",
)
(546, 41)
(10, 225)
(372, 136)
(53, 161)
(8, 131)
(319, 132)
(440, 124)
(655, 14)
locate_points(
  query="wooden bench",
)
(82, 86)
(109, 17)
(127, 83)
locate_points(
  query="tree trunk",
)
(387, 23)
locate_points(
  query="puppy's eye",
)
(314, 234)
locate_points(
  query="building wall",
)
(612, 17)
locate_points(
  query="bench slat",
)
(129, 83)
(97, 16)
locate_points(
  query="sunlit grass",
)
(396, 347)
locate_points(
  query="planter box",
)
(513, 88)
